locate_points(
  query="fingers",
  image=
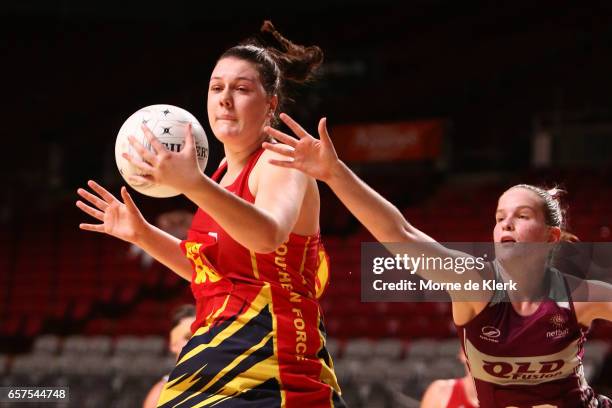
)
(294, 126)
(102, 192)
(290, 164)
(280, 136)
(92, 227)
(279, 148)
(102, 205)
(152, 139)
(99, 215)
(145, 153)
(189, 140)
(138, 163)
(127, 199)
(143, 179)
(323, 133)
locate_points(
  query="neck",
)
(238, 156)
(529, 275)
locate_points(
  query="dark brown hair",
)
(181, 312)
(278, 61)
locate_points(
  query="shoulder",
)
(263, 166)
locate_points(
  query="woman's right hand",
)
(315, 157)
(120, 220)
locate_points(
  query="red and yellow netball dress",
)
(258, 339)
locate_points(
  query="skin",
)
(238, 110)
(519, 215)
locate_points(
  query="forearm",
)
(252, 227)
(166, 249)
(377, 214)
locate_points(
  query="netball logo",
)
(558, 321)
(490, 333)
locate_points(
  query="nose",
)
(225, 99)
(507, 225)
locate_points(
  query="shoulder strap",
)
(243, 178)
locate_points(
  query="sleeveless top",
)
(527, 361)
(258, 332)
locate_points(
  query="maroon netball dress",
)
(529, 361)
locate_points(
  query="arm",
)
(318, 159)
(123, 220)
(266, 224)
(377, 214)
(260, 227)
(597, 305)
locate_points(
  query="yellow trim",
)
(262, 371)
(201, 264)
(327, 374)
(254, 264)
(275, 341)
(304, 260)
(322, 274)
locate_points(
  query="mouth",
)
(506, 240)
(226, 117)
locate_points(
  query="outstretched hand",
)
(179, 170)
(315, 157)
(119, 219)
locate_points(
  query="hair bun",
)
(556, 193)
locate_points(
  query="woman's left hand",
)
(179, 170)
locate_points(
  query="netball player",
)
(523, 347)
(253, 253)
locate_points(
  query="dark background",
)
(496, 72)
(74, 71)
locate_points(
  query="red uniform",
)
(258, 336)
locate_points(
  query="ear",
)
(555, 234)
(273, 104)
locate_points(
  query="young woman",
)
(253, 253)
(523, 347)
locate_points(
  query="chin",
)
(225, 134)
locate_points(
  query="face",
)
(180, 335)
(238, 105)
(520, 218)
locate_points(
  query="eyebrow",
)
(521, 207)
(237, 78)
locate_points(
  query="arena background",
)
(518, 91)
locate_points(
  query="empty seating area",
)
(100, 371)
(103, 371)
(79, 308)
